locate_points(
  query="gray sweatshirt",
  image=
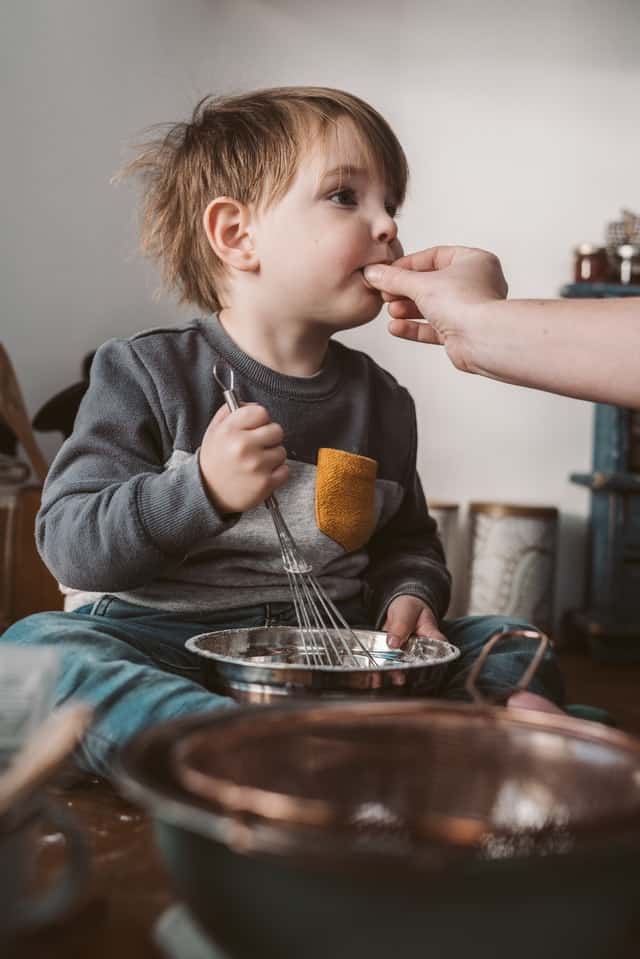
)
(125, 510)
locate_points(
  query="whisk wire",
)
(327, 638)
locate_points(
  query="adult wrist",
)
(478, 336)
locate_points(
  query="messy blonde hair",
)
(246, 147)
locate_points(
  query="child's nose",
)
(386, 229)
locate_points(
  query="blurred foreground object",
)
(42, 755)
(27, 684)
(34, 743)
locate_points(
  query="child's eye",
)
(392, 210)
(346, 197)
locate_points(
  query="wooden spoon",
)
(13, 411)
(43, 754)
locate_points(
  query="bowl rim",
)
(169, 802)
(451, 653)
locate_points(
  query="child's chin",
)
(371, 306)
(360, 317)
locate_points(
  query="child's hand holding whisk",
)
(242, 459)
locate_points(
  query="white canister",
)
(512, 562)
(446, 516)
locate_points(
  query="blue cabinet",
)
(610, 622)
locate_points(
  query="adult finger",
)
(434, 258)
(419, 332)
(403, 309)
(393, 279)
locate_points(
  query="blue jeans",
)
(129, 663)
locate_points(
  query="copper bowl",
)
(364, 829)
(367, 828)
(417, 778)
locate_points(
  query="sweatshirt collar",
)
(321, 385)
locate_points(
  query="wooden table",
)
(127, 891)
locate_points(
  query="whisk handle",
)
(228, 393)
(231, 399)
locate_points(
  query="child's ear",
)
(227, 223)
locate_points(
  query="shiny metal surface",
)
(416, 783)
(267, 663)
(385, 882)
(412, 774)
(325, 635)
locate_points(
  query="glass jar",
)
(590, 265)
(627, 264)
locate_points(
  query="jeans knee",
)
(37, 628)
(501, 624)
(473, 632)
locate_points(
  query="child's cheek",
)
(355, 247)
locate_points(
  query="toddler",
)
(263, 211)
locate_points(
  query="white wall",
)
(520, 122)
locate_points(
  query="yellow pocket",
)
(345, 497)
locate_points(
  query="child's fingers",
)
(280, 476)
(250, 417)
(274, 457)
(399, 626)
(267, 436)
(221, 414)
(427, 625)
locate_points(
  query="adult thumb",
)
(395, 281)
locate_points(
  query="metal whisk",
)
(327, 638)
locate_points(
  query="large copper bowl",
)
(409, 828)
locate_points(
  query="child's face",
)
(336, 217)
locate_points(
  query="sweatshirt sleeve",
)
(112, 516)
(406, 555)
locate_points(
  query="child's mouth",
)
(360, 270)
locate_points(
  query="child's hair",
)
(246, 147)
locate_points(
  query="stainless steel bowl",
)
(264, 664)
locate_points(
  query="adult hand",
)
(584, 348)
(408, 616)
(438, 285)
(242, 459)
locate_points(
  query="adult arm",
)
(587, 348)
